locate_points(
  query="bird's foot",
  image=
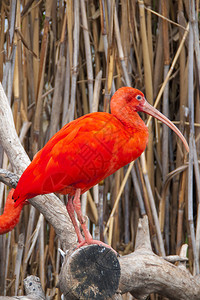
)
(95, 242)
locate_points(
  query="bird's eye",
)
(138, 97)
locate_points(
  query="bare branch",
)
(143, 273)
(9, 178)
(33, 289)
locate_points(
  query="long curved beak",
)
(150, 110)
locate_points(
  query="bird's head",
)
(128, 101)
(127, 97)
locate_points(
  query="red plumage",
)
(84, 152)
(11, 215)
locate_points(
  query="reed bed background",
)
(62, 59)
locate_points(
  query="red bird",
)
(89, 149)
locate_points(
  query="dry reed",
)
(62, 59)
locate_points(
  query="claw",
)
(95, 242)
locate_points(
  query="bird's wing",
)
(81, 154)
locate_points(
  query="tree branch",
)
(143, 272)
(9, 178)
(33, 290)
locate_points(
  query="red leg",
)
(88, 238)
(70, 209)
(77, 207)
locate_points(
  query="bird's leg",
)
(88, 238)
(77, 207)
(70, 209)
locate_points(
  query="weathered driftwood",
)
(142, 272)
(33, 289)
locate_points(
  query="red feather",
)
(11, 215)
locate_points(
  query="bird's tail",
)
(10, 216)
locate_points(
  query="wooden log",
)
(90, 272)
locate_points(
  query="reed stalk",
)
(60, 60)
(75, 60)
(66, 88)
(87, 53)
(38, 110)
(165, 139)
(148, 85)
(191, 138)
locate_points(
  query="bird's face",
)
(137, 100)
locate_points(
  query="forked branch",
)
(143, 272)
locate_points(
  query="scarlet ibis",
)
(89, 149)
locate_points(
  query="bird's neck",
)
(135, 134)
(129, 118)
